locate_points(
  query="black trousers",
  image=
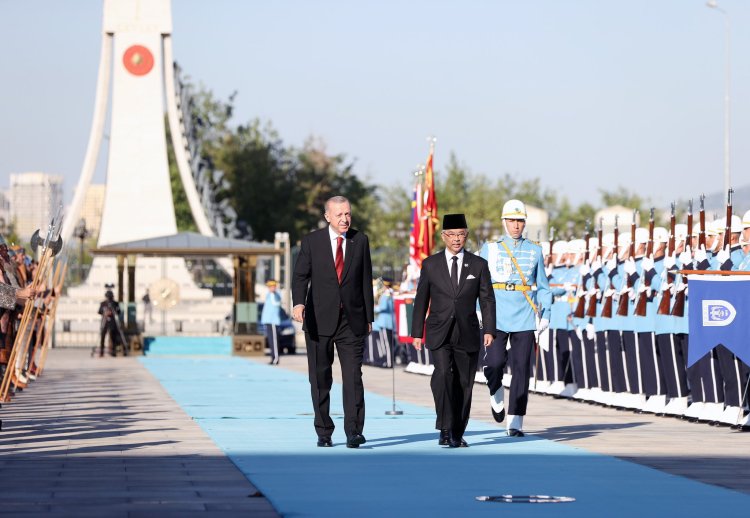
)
(496, 357)
(735, 374)
(694, 384)
(630, 346)
(319, 365)
(615, 349)
(602, 361)
(114, 337)
(673, 363)
(452, 383)
(650, 363)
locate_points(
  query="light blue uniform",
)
(384, 312)
(514, 313)
(271, 313)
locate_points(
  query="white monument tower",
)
(136, 62)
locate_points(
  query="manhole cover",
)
(526, 499)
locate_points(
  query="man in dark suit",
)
(450, 284)
(332, 296)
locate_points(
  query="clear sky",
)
(583, 94)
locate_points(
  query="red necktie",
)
(339, 257)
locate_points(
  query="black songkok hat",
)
(454, 221)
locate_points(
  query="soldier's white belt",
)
(509, 286)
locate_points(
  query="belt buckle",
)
(510, 287)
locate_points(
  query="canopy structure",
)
(244, 256)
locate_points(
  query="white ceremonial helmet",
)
(711, 228)
(661, 235)
(641, 236)
(514, 209)
(545, 247)
(560, 247)
(594, 243)
(736, 225)
(680, 232)
(746, 220)
(576, 246)
(608, 240)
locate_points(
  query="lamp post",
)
(81, 232)
(714, 5)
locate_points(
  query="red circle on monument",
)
(138, 60)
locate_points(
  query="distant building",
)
(34, 200)
(93, 204)
(5, 220)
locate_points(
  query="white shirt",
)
(449, 259)
(334, 244)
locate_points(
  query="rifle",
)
(678, 309)
(640, 306)
(622, 306)
(666, 295)
(580, 310)
(728, 224)
(591, 309)
(702, 221)
(607, 301)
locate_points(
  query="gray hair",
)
(337, 200)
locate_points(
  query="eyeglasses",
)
(452, 235)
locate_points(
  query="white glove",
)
(609, 292)
(629, 266)
(669, 261)
(596, 264)
(700, 254)
(591, 292)
(584, 269)
(642, 288)
(682, 287)
(723, 255)
(568, 286)
(611, 264)
(548, 270)
(686, 259)
(542, 325)
(590, 331)
(647, 263)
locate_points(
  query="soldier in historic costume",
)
(523, 302)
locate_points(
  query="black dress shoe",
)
(499, 416)
(444, 438)
(462, 443)
(515, 433)
(324, 442)
(355, 441)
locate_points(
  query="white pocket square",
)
(470, 276)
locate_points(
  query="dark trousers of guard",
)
(602, 359)
(617, 372)
(452, 383)
(735, 375)
(319, 363)
(673, 363)
(694, 385)
(111, 328)
(272, 337)
(711, 378)
(496, 357)
(650, 364)
(630, 346)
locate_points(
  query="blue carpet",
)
(261, 416)
(194, 345)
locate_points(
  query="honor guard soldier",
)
(522, 296)
(270, 319)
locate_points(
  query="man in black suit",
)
(450, 284)
(332, 296)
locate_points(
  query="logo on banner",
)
(718, 313)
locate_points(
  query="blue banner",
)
(719, 314)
